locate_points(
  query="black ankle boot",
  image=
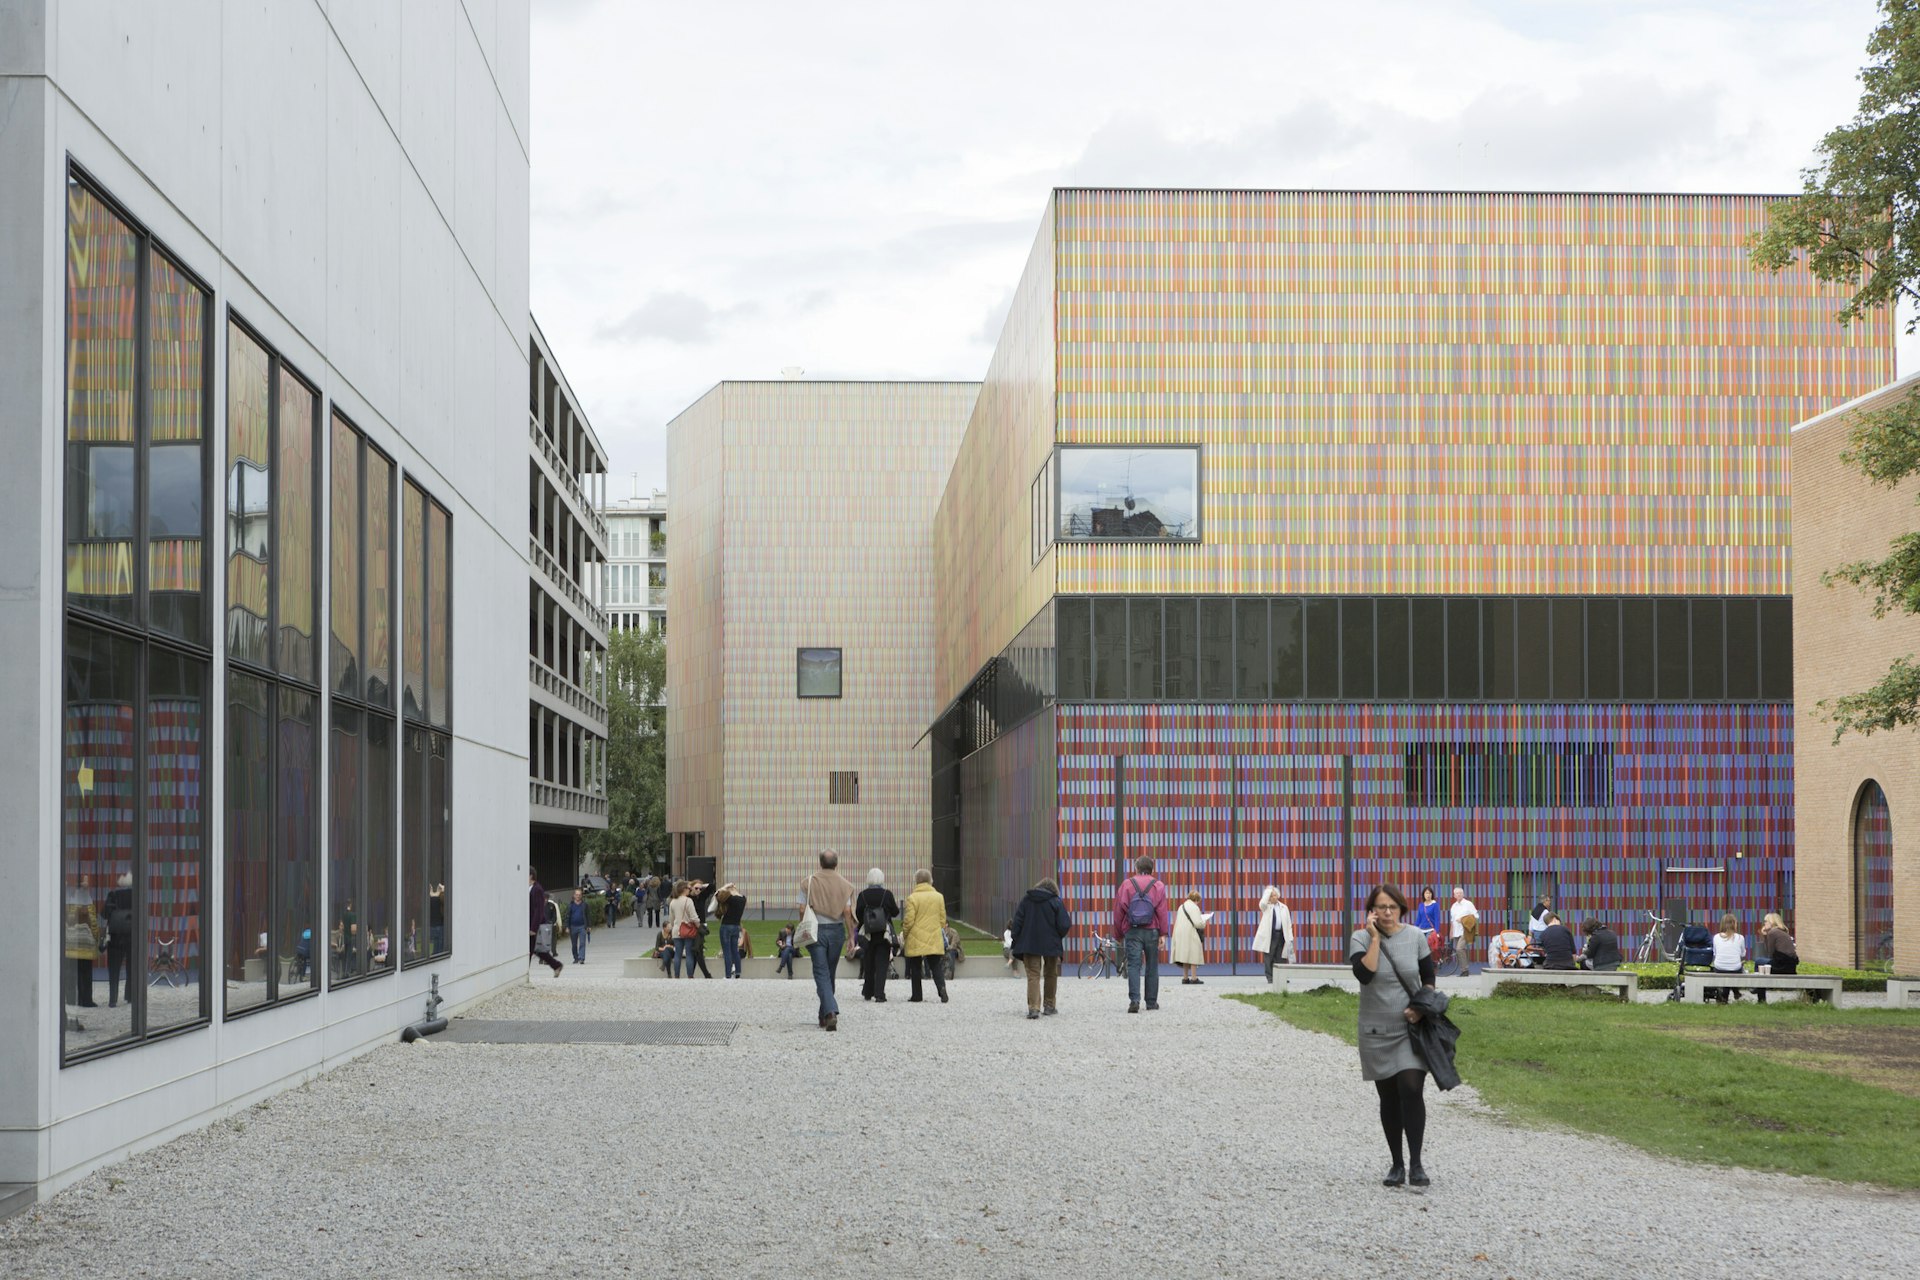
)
(1417, 1176)
(1396, 1176)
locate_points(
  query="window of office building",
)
(843, 787)
(137, 657)
(426, 558)
(365, 933)
(272, 875)
(817, 673)
(1131, 493)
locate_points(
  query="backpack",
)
(873, 917)
(1140, 912)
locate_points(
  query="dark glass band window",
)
(1426, 649)
(425, 916)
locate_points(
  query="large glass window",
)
(1129, 493)
(271, 870)
(816, 673)
(364, 934)
(1110, 647)
(424, 914)
(1251, 650)
(135, 670)
(1216, 648)
(1144, 683)
(1323, 648)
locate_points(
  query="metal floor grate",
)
(519, 1031)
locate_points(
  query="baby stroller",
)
(1696, 955)
(1510, 950)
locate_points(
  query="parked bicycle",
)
(1102, 960)
(1651, 949)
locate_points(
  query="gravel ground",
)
(957, 1140)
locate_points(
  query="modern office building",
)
(566, 630)
(264, 269)
(1856, 800)
(1322, 538)
(634, 586)
(800, 583)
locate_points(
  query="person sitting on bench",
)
(1556, 944)
(1603, 947)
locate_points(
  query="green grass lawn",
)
(1793, 1087)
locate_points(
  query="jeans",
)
(683, 957)
(579, 946)
(439, 938)
(1143, 957)
(933, 966)
(786, 962)
(1275, 952)
(730, 950)
(826, 956)
(1043, 982)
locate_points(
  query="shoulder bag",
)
(808, 931)
(1198, 928)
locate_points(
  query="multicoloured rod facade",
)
(1388, 398)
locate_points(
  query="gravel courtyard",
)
(940, 1141)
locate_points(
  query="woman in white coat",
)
(1190, 938)
(1273, 939)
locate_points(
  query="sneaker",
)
(1134, 1007)
(1396, 1177)
(833, 1022)
(1417, 1177)
(1032, 1014)
(1153, 1006)
(1050, 1011)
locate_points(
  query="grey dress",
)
(1386, 1047)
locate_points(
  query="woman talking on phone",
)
(1392, 960)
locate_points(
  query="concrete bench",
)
(1902, 992)
(1698, 980)
(1624, 980)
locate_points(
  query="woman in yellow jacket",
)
(82, 949)
(921, 921)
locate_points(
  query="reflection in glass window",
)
(345, 558)
(413, 600)
(132, 732)
(439, 611)
(299, 601)
(818, 673)
(249, 965)
(1129, 493)
(296, 823)
(379, 580)
(249, 514)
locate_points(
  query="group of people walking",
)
(837, 919)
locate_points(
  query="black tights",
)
(1403, 1109)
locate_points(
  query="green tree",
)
(636, 751)
(1857, 223)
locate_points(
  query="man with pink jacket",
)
(1139, 923)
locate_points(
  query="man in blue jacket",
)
(577, 927)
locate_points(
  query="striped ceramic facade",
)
(1229, 798)
(801, 512)
(1402, 393)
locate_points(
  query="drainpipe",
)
(432, 1022)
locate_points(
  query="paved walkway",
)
(943, 1141)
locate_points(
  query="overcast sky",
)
(723, 190)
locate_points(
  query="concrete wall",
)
(1839, 647)
(351, 177)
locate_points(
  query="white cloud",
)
(721, 191)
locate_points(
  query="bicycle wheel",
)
(1086, 968)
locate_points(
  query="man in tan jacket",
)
(831, 896)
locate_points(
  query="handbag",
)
(807, 932)
(1198, 928)
(689, 930)
(543, 940)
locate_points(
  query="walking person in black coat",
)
(1040, 927)
(874, 911)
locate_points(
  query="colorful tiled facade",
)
(1575, 397)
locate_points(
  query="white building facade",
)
(634, 586)
(264, 275)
